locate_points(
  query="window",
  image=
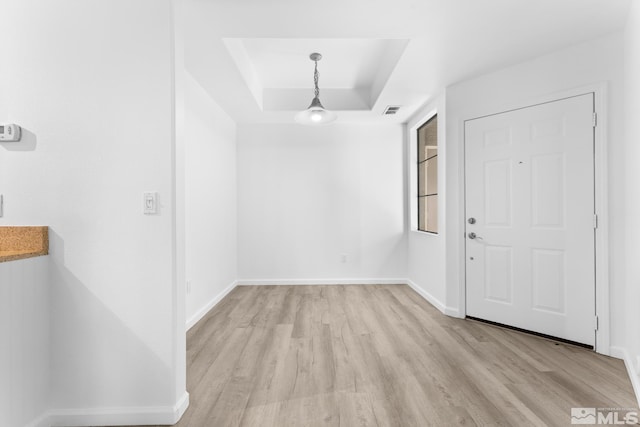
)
(428, 176)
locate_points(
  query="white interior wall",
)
(599, 60)
(178, 180)
(91, 84)
(321, 204)
(631, 194)
(426, 261)
(211, 205)
(26, 341)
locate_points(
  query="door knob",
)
(473, 236)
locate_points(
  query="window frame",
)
(421, 164)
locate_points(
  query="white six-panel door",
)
(529, 176)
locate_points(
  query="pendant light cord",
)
(315, 114)
(315, 80)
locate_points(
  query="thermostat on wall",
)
(10, 133)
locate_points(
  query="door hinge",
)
(596, 324)
(595, 119)
(595, 220)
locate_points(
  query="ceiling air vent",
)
(391, 110)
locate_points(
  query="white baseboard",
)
(180, 407)
(204, 310)
(160, 415)
(453, 312)
(426, 295)
(617, 352)
(633, 368)
(449, 311)
(261, 282)
(42, 421)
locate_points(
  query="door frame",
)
(602, 292)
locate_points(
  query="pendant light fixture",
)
(316, 113)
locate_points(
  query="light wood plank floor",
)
(380, 356)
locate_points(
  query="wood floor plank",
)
(380, 355)
(356, 408)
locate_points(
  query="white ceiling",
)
(346, 63)
(279, 72)
(252, 56)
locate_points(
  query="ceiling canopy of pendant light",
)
(316, 114)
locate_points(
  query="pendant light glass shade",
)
(316, 114)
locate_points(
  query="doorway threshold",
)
(526, 331)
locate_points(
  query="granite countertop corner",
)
(20, 242)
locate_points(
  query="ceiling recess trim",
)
(354, 73)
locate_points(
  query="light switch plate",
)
(150, 203)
